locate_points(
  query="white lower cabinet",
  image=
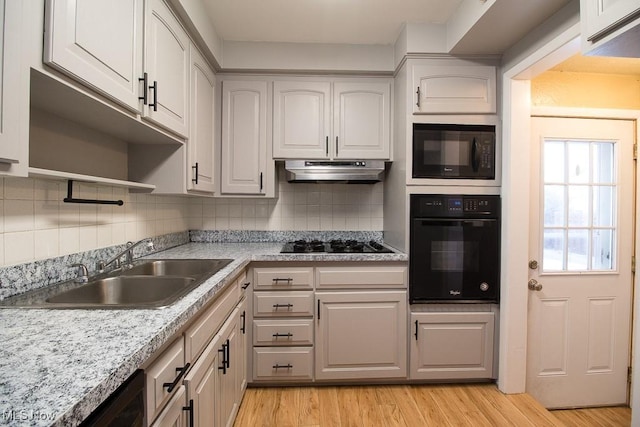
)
(361, 334)
(452, 345)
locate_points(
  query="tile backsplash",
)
(36, 224)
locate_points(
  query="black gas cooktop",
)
(334, 246)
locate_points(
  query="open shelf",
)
(64, 176)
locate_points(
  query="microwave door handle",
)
(474, 155)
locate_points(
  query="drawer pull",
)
(277, 335)
(287, 366)
(246, 285)
(277, 280)
(243, 316)
(277, 306)
(181, 372)
(190, 409)
(223, 350)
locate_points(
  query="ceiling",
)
(323, 21)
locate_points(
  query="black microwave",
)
(454, 151)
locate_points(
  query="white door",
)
(301, 120)
(167, 64)
(361, 120)
(244, 137)
(581, 230)
(75, 44)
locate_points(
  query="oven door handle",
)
(455, 222)
(474, 155)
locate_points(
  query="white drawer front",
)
(163, 370)
(284, 278)
(282, 363)
(282, 304)
(283, 332)
(368, 276)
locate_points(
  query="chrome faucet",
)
(128, 251)
(83, 273)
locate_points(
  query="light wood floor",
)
(408, 405)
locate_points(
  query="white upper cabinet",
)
(440, 89)
(245, 167)
(610, 27)
(301, 118)
(14, 93)
(200, 171)
(331, 120)
(361, 119)
(98, 43)
(167, 65)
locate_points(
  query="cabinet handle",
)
(418, 101)
(190, 409)
(228, 354)
(278, 335)
(261, 182)
(145, 81)
(246, 285)
(277, 306)
(181, 372)
(223, 350)
(195, 173)
(243, 316)
(154, 86)
(276, 280)
(287, 366)
(336, 146)
(318, 309)
(416, 330)
(326, 144)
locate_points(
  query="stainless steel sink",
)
(177, 267)
(126, 291)
(148, 284)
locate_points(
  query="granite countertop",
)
(58, 365)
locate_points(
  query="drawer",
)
(205, 327)
(282, 304)
(283, 278)
(282, 363)
(361, 276)
(163, 370)
(278, 332)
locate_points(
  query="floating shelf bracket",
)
(70, 199)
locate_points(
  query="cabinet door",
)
(202, 385)
(244, 137)
(301, 120)
(452, 345)
(228, 378)
(174, 414)
(604, 16)
(166, 63)
(98, 43)
(200, 175)
(361, 120)
(454, 89)
(14, 93)
(241, 353)
(361, 335)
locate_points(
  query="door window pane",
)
(579, 205)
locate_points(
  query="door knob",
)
(534, 285)
(533, 264)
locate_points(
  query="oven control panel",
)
(456, 206)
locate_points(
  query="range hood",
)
(356, 171)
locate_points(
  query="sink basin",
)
(126, 291)
(177, 267)
(148, 284)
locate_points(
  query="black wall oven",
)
(454, 248)
(454, 151)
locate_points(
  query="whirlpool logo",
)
(454, 293)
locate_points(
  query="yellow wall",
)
(586, 90)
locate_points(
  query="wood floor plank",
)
(328, 407)
(286, 413)
(370, 410)
(309, 410)
(407, 405)
(595, 417)
(349, 407)
(427, 406)
(533, 410)
(458, 411)
(477, 397)
(502, 405)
